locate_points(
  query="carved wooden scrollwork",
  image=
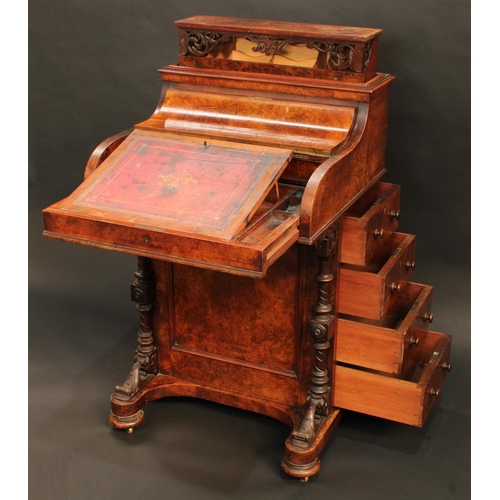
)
(340, 54)
(268, 46)
(344, 56)
(200, 43)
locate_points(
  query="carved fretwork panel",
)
(340, 55)
(198, 43)
(334, 59)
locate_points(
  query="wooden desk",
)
(270, 273)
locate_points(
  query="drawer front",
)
(438, 347)
(386, 345)
(403, 400)
(369, 291)
(368, 224)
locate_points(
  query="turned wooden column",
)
(308, 438)
(321, 328)
(145, 359)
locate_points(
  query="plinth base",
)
(297, 462)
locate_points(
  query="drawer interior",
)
(409, 299)
(376, 195)
(391, 249)
(385, 344)
(368, 291)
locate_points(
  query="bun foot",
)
(302, 460)
(301, 471)
(126, 423)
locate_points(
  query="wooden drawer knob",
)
(395, 214)
(410, 265)
(446, 366)
(414, 341)
(378, 233)
(435, 393)
(395, 287)
(428, 317)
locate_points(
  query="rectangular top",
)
(167, 182)
(322, 31)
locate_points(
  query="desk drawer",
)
(385, 345)
(369, 291)
(369, 223)
(408, 399)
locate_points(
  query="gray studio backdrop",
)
(92, 72)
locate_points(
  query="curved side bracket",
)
(104, 149)
(341, 179)
(331, 186)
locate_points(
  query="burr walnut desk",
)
(270, 274)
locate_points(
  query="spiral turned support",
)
(145, 359)
(321, 328)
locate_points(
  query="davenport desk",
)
(270, 273)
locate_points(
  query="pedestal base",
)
(297, 462)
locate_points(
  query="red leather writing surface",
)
(209, 187)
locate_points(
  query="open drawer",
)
(369, 291)
(385, 345)
(206, 203)
(407, 399)
(368, 223)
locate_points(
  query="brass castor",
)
(130, 430)
(304, 479)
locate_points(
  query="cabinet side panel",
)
(238, 318)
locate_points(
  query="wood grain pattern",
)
(283, 84)
(279, 27)
(351, 169)
(304, 127)
(204, 329)
(211, 313)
